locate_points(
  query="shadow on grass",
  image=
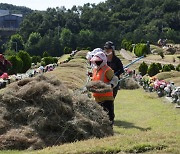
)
(128, 125)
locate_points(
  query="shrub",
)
(67, 50)
(171, 66)
(55, 60)
(45, 54)
(140, 49)
(143, 68)
(153, 69)
(127, 45)
(25, 57)
(178, 68)
(78, 48)
(48, 60)
(88, 48)
(9, 53)
(159, 66)
(166, 68)
(43, 63)
(36, 59)
(17, 64)
(161, 54)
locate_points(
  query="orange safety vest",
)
(101, 75)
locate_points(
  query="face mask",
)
(98, 63)
(108, 53)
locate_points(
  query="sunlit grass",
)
(143, 123)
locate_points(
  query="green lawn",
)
(143, 123)
(63, 58)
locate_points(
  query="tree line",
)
(89, 26)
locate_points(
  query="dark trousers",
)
(115, 90)
(108, 107)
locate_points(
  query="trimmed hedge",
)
(26, 58)
(178, 68)
(127, 45)
(140, 49)
(153, 69)
(17, 64)
(143, 68)
(36, 59)
(48, 60)
(166, 68)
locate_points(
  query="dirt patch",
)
(40, 112)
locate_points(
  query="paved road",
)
(127, 56)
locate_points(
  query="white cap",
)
(99, 56)
(89, 56)
(92, 53)
(96, 50)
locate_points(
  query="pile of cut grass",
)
(81, 54)
(143, 124)
(40, 112)
(72, 74)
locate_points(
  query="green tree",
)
(17, 64)
(153, 69)
(178, 68)
(140, 49)
(45, 54)
(143, 68)
(85, 38)
(159, 66)
(32, 45)
(166, 68)
(66, 37)
(25, 57)
(16, 43)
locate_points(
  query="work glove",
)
(114, 81)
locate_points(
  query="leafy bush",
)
(55, 60)
(78, 48)
(171, 66)
(143, 68)
(140, 49)
(159, 66)
(166, 68)
(25, 57)
(127, 45)
(9, 53)
(67, 50)
(36, 59)
(45, 54)
(88, 48)
(48, 60)
(153, 69)
(17, 64)
(178, 68)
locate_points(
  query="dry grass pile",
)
(81, 54)
(79, 63)
(98, 87)
(40, 112)
(128, 83)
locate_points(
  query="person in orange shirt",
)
(102, 72)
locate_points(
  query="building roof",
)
(6, 12)
(18, 15)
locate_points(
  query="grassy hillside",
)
(143, 122)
